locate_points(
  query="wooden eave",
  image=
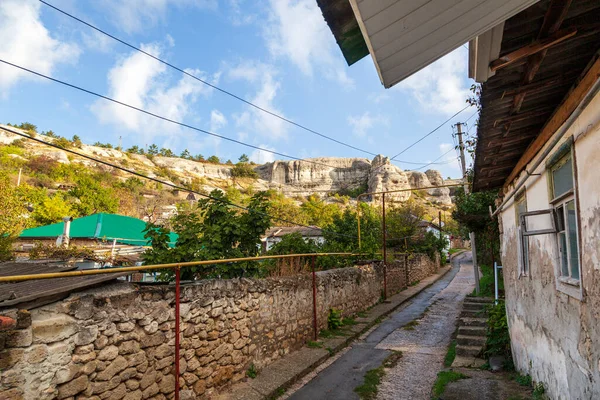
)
(529, 96)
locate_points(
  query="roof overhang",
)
(549, 58)
(406, 36)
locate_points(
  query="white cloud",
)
(135, 15)
(217, 120)
(143, 83)
(264, 78)
(362, 124)
(298, 32)
(262, 157)
(25, 41)
(96, 41)
(442, 86)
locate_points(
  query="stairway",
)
(471, 337)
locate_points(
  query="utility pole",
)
(463, 165)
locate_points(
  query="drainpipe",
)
(66, 231)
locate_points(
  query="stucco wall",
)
(117, 341)
(555, 328)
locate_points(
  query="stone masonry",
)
(117, 341)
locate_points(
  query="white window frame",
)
(566, 284)
(523, 240)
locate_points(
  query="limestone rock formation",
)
(384, 177)
(317, 175)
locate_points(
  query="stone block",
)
(153, 340)
(135, 395)
(19, 338)
(86, 335)
(126, 326)
(50, 329)
(118, 365)
(129, 347)
(136, 358)
(167, 384)
(36, 354)
(133, 384)
(150, 391)
(109, 353)
(23, 319)
(73, 387)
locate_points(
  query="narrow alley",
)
(423, 344)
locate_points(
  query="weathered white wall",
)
(555, 330)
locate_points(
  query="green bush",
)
(334, 320)
(498, 338)
(243, 170)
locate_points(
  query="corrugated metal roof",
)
(35, 293)
(127, 230)
(505, 132)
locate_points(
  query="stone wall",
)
(117, 341)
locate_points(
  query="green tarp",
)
(126, 230)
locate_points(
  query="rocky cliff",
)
(294, 178)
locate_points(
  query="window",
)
(562, 192)
(523, 245)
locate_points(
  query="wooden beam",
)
(564, 110)
(540, 111)
(536, 86)
(532, 48)
(554, 17)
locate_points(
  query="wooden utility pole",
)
(463, 164)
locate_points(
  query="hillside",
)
(334, 180)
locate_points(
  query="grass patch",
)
(523, 380)
(443, 379)
(454, 251)
(314, 345)
(538, 392)
(349, 322)
(251, 372)
(368, 390)
(451, 354)
(361, 314)
(415, 283)
(411, 325)
(329, 333)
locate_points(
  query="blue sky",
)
(279, 54)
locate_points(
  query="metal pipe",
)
(561, 132)
(384, 248)
(314, 290)
(177, 329)
(119, 270)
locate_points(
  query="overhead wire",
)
(205, 82)
(430, 133)
(163, 118)
(166, 183)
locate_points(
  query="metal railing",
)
(177, 269)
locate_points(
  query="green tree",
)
(92, 197)
(244, 158)
(472, 213)
(51, 210)
(318, 212)
(133, 149)
(12, 216)
(28, 126)
(403, 222)
(63, 142)
(166, 152)
(214, 230)
(214, 160)
(153, 149)
(198, 157)
(186, 154)
(76, 141)
(342, 233)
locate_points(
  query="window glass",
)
(574, 253)
(562, 178)
(564, 258)
(560, 219)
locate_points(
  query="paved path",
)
(422, 345)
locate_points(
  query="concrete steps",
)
(468, 351)
(471, 341)
(472, 330)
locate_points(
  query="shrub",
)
(334, 320)
(498, 338)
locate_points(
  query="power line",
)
(174, 186)
(430, 133)
(425, 166)
(206, 82)
(164, 118)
